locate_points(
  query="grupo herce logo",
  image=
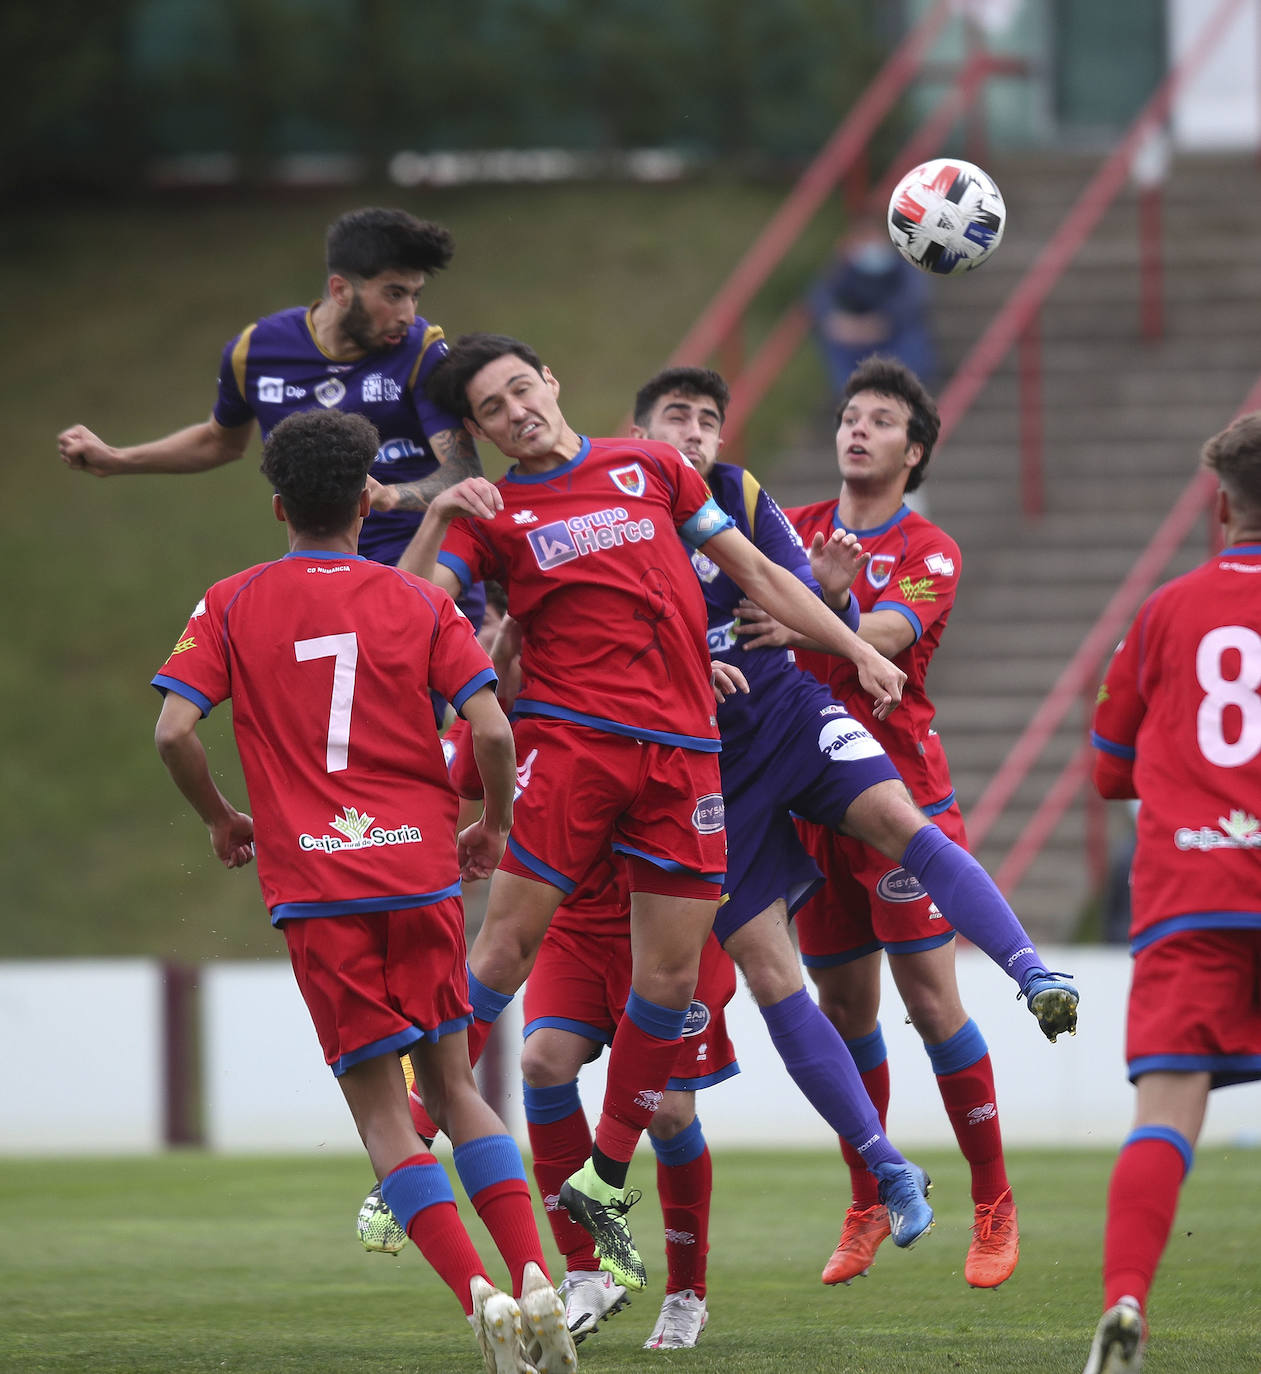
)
(358, 830)
(696, 1019)
(709, 816)
(561, 541)
(899, 886)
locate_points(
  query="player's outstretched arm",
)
(198, 448)
(457, 459)
(481, 845)
(231, 831)
(790, 601)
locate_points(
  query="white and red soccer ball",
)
(946, 216)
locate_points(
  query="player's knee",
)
(541, 1069)
(671, 1118)
(886, 818)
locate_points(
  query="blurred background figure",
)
(869, 300)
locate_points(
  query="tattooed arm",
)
(457, 458)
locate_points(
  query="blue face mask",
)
(874, 257)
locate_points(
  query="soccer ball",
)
(946, 216)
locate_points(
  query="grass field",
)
(190, 1262)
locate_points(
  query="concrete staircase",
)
(1123, 422)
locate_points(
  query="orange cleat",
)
(995, 1244)
(864, 1229)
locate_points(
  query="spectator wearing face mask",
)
(870, 300)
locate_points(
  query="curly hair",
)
(447, 385)
(890, 377)
(364, 243)
(689, 381)
(317, 461)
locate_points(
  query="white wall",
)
(1218, 108)
(83, 1068)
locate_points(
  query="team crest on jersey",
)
(880, 569)
(330, 391)
(629, 479)
(706, 569)
(695, 1019)
(899, 886)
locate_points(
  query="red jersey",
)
(914, 570)
(1181, 706)
(329, 660)
(612, 616)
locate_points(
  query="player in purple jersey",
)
(790, 749)
(361, 347)
(582, 535)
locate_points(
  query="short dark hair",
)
(317, 461)
(447, 385)
(364, 243)
(890, 377)
(690, 381)
(1234, 455)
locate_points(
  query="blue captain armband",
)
(710, 520)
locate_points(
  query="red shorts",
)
(1195, 1004)
(578, 789)
(377, 983)
(580, 983)
(867, 902)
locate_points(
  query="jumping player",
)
(328, 659)
(1178, 725)
(616, 706)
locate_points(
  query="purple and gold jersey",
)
(275, 367)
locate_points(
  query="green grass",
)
(190, 1262)
(117, 315)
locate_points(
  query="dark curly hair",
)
(364, 243)
(890, 377)
(690, 381)
(447, 385)
(317, 461)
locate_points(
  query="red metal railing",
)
(1078, 679)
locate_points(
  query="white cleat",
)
(550, 1345)
(496, 1322)
(591, 1297)
(1119, 1340)
(683, 1318)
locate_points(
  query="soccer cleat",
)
(1119, 1340)
(995, 1246)
(379, 1231)
(1053, 1001)
(863, 1230)
(591, 1297)
(548, 1342)
(601, 1211)
(904, 1190)
(496, 1322)
(683, 1317)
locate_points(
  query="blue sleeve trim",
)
(292, 911)
(710, 520)
(564, 1023)
(1170, 1137)
(166, 684)
(540, 869)
(459, 567)
(486, 678)
(913, 620)
(1106, 746)
(691, 1085)
(853, 613)
(701, 744)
